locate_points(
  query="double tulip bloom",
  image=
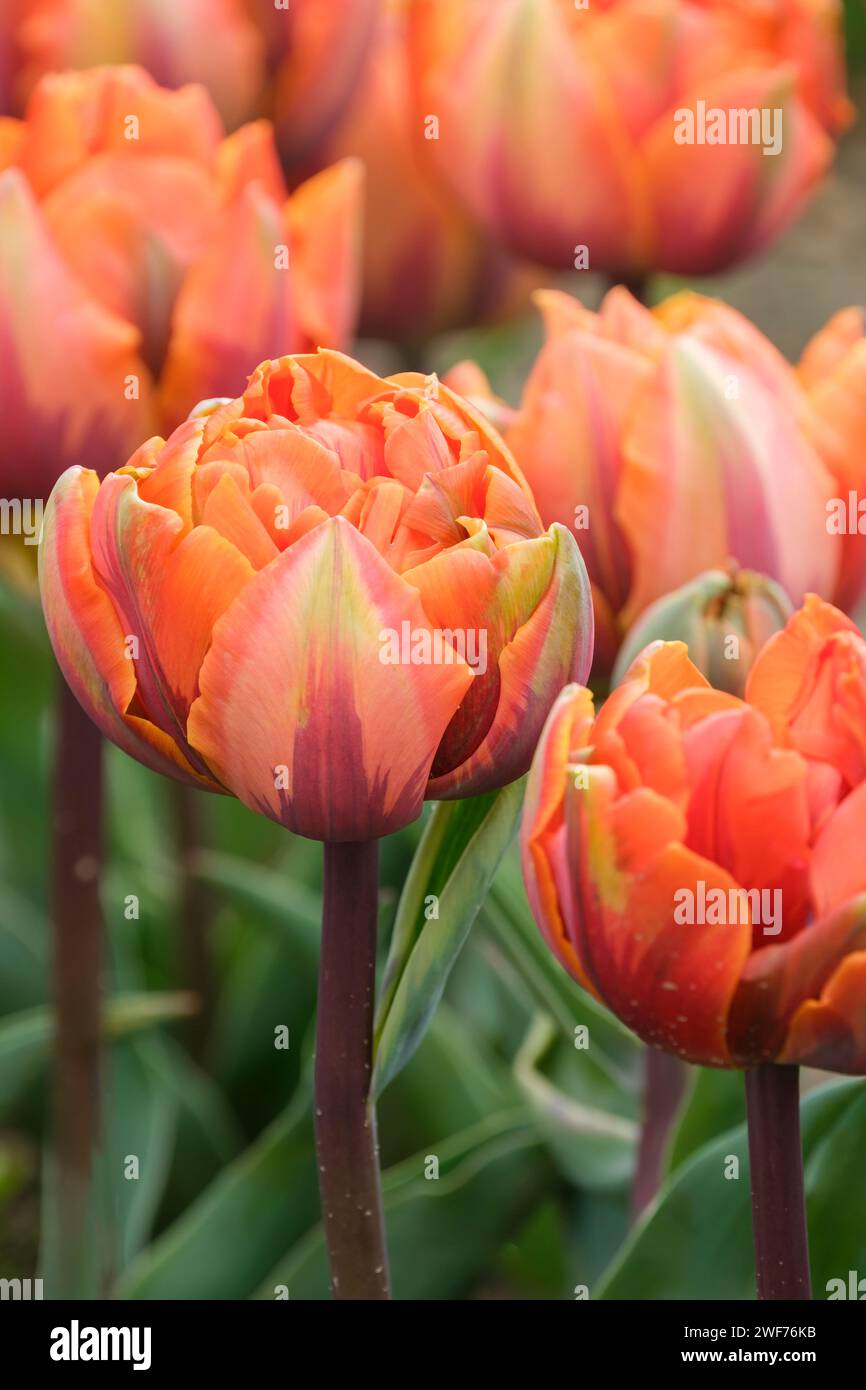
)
(145, 262)
(566, 125)
(678, 439)
(695, 860)
(284, 598)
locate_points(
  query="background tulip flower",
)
(559, 122)
(693, 861)
(259, 556)
(678, 438)
(723, 617)
(428, 266)
(214, 42)
(149, 261)
(315, 52)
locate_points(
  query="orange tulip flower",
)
(679, 135)
(332, 597)
(428, 266)
(695, 860)
(146, 262)
(678, 439)
(214, 42)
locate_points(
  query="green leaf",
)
(458, 855)
(442, 1232)
(275, 898)
(223, 1245)
(715, 1103)
(25, 1037)
(594, 1143)
(696, 1238)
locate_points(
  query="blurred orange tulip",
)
(678, 135)
(332, 596)
(678, 439)
(428, 266)
(695, 860)
(146, 262)
(214, 42)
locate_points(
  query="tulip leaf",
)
(459, 853)
(25, 1037)
(695, 1240)
(594, 1146)
(226, 1241)
(444, 1222)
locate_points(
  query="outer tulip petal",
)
(705, 467)
(544, 654)
(66, 362)
(564, 735)
(672, 983)
(152, 573)
(324, 225)
(211, 350)
(830, 1032)
(87, 635)
(779, 982)
(355, 735)
(567, 438)
(715, 203)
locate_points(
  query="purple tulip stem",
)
(665, 1079)
(776, 1164)
(78, 951)
(346, 1144)
(194, 919)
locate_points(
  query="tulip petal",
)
(87, 636)
(323, 217)
(541, 654)
(703, 464)
(292, 685)
(67, 363)
(671, 981)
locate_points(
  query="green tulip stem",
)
(346, 1144)
(78, 946)
(776, 1163)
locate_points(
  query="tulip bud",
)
(724, 620)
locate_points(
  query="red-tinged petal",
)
(235, 307)
(749, 809)
(779, 980)
(810, 683)
(830, 1032)
(304, 470)
(565, 733)
(73, 388)
(713, 204)
(155, 575)
(354, 735)
(838, 866)
(323, 217)
(567, 438)
(671, 981)
(87, 635)
(230, 512)
(704, 462)
(552, 647)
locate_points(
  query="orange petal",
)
(341, 744)
(87, 635)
